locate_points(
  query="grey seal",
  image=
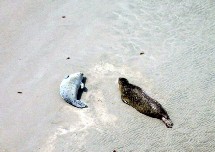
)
(138, 99)
(69, 89)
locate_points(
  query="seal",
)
(138, 99)
(69, 89)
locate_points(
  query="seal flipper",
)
(78, 103)
(168, 122)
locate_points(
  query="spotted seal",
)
(138, 99)
(69, 89)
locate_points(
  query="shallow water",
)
(104, 40)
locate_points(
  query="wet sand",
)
(104, 39)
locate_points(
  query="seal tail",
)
(78, 104)
(168, 122)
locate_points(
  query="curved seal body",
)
(138, 99)
(69, 89)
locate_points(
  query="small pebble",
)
(63, 16)
(68, 58)
(19, 92)
(141, 53)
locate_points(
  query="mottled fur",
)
(138, 99)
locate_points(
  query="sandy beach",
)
(104, 39)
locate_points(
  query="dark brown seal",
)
(138, 99)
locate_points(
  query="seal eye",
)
(66, 76)
(81, 74)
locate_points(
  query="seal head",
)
(123, 81)
(138, 99)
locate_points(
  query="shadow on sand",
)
(80, 91)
